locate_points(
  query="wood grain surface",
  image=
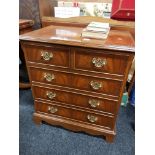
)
(116, 40)
(64, 111)
(65, 101)
(109, 87)
(75, 99)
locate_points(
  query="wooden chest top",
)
(117, 40)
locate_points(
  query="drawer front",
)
(100, 62)
(100, 85)
(52, 55)
(76, 114)
(72, 98)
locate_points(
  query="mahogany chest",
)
(77, 83)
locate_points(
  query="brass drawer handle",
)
(94, 103)
(50, 95)
(46, 55)
(49, 77)
(96, 85)
(99, 62)
(52, 110)
(92, 118)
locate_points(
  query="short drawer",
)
(100, 62)
(76, 114)
(52, 55)
(88, 83)
(76, 99)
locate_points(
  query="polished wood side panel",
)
(76, 99)
(77, 114)
(116, 64)
(109, 86)
(60, 55)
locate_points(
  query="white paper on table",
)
(66, 12)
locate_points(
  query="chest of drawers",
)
(77, 83)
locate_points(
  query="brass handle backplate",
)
(94, 103)
(96, 85)
(52, 109)
(46, 55)
(50, 95)
(92, 118)
(49, 77)
(99, 62)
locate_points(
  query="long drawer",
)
(88, 83)
(76, 114)
(100, 61)
(73, 98)
(51, 55)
